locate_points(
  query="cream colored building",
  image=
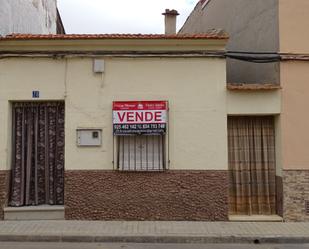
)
(44, 79)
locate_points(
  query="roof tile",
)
(212, 34)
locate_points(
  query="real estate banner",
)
(139, 117)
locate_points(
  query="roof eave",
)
(114, 44)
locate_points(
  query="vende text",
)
(138, 117)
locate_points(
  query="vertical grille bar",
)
(153, 154)
(134, 152)
(118, 153)
(123, 165)
(159, 152)
(140, 153)
(129, 154)
(147, 153)
(163, 154)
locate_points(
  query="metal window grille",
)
(141, 153)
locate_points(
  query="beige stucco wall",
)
(295, 121)
(18, 77)
(197, 132)
(195, 88)
(293, 19)
(254, 102)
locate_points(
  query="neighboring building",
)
(253, 27)
(264, 30)
(294, 49)
(30, 16)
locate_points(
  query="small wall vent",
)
(307, 207)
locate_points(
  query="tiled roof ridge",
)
(212, 34)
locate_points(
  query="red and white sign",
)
(139, 117)
(140, 112)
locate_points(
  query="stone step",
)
(43, 212)
(256, 218)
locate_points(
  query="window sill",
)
(141, 171)
(252, 87)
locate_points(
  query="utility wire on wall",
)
(255, 57)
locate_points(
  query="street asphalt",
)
(20, 245)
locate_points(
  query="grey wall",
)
(252, 26)
(28, 16)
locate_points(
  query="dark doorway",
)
(37, 154)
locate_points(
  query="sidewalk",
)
(152, 232)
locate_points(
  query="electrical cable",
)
(254, 57)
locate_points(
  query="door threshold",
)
(42, 212)
(256, 218)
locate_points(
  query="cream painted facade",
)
(193, 83)
(196, 101)
(88, 98)
(294, 80)
(199, 102)
(254, 103)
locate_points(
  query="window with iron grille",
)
(141, 153)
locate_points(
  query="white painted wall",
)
(28, 16)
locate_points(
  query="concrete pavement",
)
(154, 232)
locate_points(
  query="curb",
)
(158, 239)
